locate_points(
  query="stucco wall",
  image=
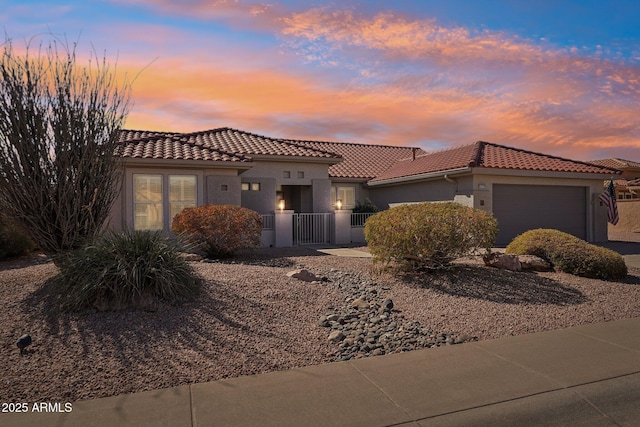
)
(262, 201)
(276, 170)
(222, 190)
(425, 191)
(629, 211)
(321, 194)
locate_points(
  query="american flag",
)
(608, 197)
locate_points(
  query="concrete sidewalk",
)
(587, 375)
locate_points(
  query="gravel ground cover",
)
(252, 318)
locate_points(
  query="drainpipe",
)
(453, 181)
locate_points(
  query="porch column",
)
(341, 233)
(283, 228)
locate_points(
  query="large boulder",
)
(517, 262)
(532, 262)
(504, 261)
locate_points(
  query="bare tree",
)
(59, 126)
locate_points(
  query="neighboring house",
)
(628, 184)
(165, 172)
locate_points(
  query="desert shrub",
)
(428, 235)
(13, 241)
(570, 254)
(219, 230)
(365, 207)
(125, 269)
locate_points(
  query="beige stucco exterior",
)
(306, 185)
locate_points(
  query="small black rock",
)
(23, 342)
(388, 304)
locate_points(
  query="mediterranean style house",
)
(628, 184)
(168, 171)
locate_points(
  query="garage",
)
(519, 208)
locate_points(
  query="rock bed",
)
(368, 324)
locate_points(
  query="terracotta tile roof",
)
(171, 148)
(223, 144)
(615, 163)
(240, 142)
(364, 161)
(634, 183)
(487, 155)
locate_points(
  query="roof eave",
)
(542, 173)
(348, 179)
(186, 163)
(296, 159)
(420, 177)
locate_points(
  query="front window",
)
(182, 193)
(147, 201)
(347, 194)
(158, 198)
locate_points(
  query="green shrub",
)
(365, 207)
(428, 235)
(219, 230)
(13, 241)
(570, 254)
(132, 268)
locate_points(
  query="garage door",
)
(519, 208)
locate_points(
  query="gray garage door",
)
(519, 208)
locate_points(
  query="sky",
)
(556, 77)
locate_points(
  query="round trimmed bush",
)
(219, 230)
(428, 235)
(570, 254)
(128, 269)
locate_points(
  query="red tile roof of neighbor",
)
(616, 163)
(486, 155)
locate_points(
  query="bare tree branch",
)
(59, 126)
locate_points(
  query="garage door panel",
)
(519, 208)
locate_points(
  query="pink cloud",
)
(385, 78)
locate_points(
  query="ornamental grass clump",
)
(128, 269)
(428, 235)
(219, 230)
(570, 254)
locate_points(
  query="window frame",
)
(165, 201)
(335, 195)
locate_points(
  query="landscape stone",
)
(336, 336)
(532, 262)
(360, 304)
(504, 261)
(302, 274)
(364, 327)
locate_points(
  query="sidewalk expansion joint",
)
(193, 410)
(515, 399)
(384, 393)
(602, 340)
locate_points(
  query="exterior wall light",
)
(339, 204)
(281, 204)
